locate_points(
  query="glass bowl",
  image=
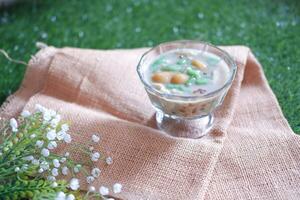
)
(181, 115)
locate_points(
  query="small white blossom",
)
(60, 135)
(109, 160)
(90, 179)
(95, 138)
(39, 108)
(13, 124)
(67, 138)
(44, 165)
(56, 163)
(95, 156)
(25, 113)
(65, 127)
(35, 162)
(103, 190)
(32, 136)
(55, 121)
(52, 145)
(92, 189)
(51, 178)
(67, 154)
(39, 143)
(117, 188)
(63, 159)
(17, 169)
(96, 172)
(91, 148)
(54, 184)
(46, 116)
(70, 197)
(28, 158)
(74, 184)
(41, 170)
(65, 170)
(60, 196)
(54, 172)
(45, 152)
(51, 135)
(52, 113)
(77, 168)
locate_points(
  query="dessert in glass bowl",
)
(186, 81)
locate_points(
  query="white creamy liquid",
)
(214, 77)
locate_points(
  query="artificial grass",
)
(270, 27)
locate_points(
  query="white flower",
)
(92, 189)
(45, 152)
(46, 115)
(109, 160)
(95, 138)
(32, 136)
(70, 197)
(25, 113)
(65, 170)
(52, 113)
(54, 184)
(90, 179)
(103, 190)
(39, 143)
(55, 121)
(67, 154)
(63, 159)
(74, 184)
(44, 165)
(41, 170)
(65, 127)
(39, 108)
(110, 199)
(77, 168)
(60, 196)
(67, 138)
(96, 172)
(51, 135)
(60, 135)
(35, 162)
(56, 163)
(28, 158)
(117, 188)
(52, 145)
(54, 172)
(51, 178)
(95, 156)
(13, 124)
(17, 169)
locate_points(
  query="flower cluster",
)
(29, 166)
(95, 156)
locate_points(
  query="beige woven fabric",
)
(251, 153)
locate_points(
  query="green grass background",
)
(271, 28)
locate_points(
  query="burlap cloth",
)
(251, 153)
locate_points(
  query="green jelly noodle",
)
(179, 87)
(174, 68)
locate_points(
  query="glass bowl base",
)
(181, 127)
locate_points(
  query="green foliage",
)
(270, 28)
(19, 177)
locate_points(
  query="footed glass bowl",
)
(178, 115)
